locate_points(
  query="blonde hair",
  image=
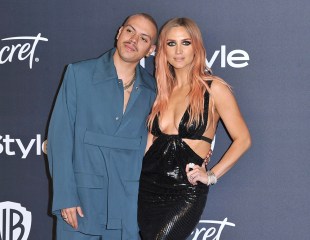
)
(199, 73)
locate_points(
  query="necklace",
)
(128, 85)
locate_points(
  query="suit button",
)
(116, 118)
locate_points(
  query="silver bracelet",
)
(212, 179)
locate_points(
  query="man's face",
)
(135, 39)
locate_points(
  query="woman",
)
(174, 181)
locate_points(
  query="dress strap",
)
(209, 82)
(156, 129)
(209, 140)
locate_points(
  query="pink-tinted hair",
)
(198, 74)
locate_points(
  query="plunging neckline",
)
(206, 108)
(194, 131)
(178, 129)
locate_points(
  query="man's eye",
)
(186, 43)
(144, 39)
(171, 44)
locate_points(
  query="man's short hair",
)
(148, 17)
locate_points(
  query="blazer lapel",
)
(105, 69)
(136, 90)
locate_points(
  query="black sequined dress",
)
(169, 207)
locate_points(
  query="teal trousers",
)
(63, 234)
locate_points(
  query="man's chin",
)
(130, 59)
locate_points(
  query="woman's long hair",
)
(198, 73)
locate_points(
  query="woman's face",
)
(180, 53)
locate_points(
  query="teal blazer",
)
(94, 150)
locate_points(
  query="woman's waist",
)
(173, 146)
(168, 185)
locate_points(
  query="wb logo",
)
(15, 221)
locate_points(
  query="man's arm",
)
(61, 145)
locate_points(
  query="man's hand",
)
(69, 215)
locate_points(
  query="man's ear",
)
(119, 32)
(152, 49)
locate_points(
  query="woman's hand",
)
(197, 174)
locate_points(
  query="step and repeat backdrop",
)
(261, 48)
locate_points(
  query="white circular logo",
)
(15, 221)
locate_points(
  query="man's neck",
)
(124, 69)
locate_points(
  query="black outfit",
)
(169, 207)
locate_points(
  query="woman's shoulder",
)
(218, 87)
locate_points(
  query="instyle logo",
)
(236, 58)
(12, 147)
(15, 221)
(210, 229)
(22, 48)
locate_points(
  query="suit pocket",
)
(88, 180)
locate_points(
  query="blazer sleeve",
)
(61, 145)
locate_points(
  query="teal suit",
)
(94, 150)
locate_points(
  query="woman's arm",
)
(227, 108)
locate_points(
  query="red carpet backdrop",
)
(261, 48)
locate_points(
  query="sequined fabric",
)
(169, 207)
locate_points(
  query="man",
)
(97, 136)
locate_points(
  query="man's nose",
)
(134, 38)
